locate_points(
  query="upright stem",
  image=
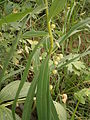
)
(49, 28)
(72, 118)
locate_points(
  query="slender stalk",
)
(11, 102)
(72, 118)
(49, 28)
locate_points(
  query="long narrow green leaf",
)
(14, 17)
(29, 100)
(36, 61)
(42, 91)
(56, 7)
(48, 101)
(24, 77)
(75, 27)
(72, 31)
(33, 33)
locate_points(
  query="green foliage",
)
(18, 16)
(82, 95)
(54, 114)
(33, 33)
(40, 2)
(46, 43)
(76, 66)
(14, 17)
(9, 91)
(61, 111)
(6, 114)
(56, 7)
(27, 110)
(73, 30)
(24, 78)
(43, 92)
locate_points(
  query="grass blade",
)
(75, 27)
(72, 31)
(42, 91)
(24, 77)
(29, 100)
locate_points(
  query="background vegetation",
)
(44, 59)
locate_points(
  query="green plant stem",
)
(11, 102)
(49, 28)
(72, 118)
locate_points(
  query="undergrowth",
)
(44, 59)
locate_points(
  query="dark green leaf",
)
(29, 99)
(24, 77)
(42, 94)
